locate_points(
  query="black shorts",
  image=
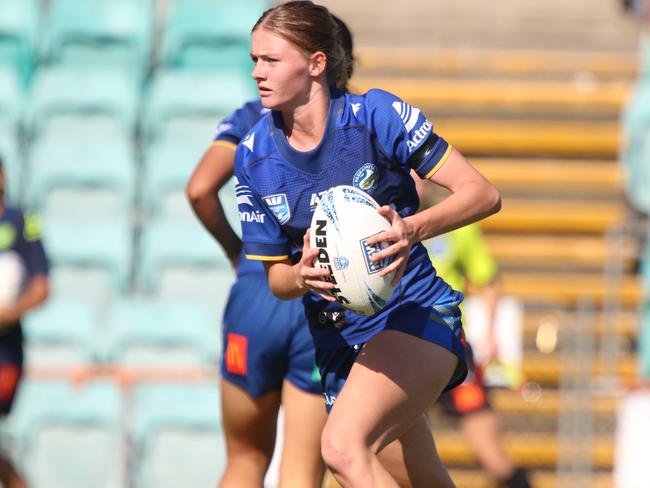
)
(11, 365)
(468, 397)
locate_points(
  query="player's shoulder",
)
(15, 215)
(235, 125)
(377, 105)
(257, 143)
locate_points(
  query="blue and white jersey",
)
(371, 141)
(229, 132)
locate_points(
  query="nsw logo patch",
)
(279, 205)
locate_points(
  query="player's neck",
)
(304, 126)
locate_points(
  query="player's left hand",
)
(399, 243)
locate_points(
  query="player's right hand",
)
(313, 277)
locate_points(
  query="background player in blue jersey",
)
(268, 356)
(379, 373)
(24, 285)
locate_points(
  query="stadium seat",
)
(215, 35)
(98, 176)
(160, 333)
(9, 152)
(168, 243)
(11, 101)
(64, 90)
(177, 434)
(60, 333)
(19, 25)
(180, 261)
(115, 32)
(69, 436)
(189, 105)
(168, 165)
(91, 260)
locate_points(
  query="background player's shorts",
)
(266, 340)
(11, 366)
(468, 397)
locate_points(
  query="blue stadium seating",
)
(69, 436)
(61, 332)
(168, 165)
(64, 90)
(176, 431)
(91, 260)
(9, 152)
(160, 333)
(87, 32)
(85, 169)
(186, 104)
(19, 27)
(11, 101)
(213, 35)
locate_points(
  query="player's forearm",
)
(210, 213)
(35, 294)
(285, 281)
(472, 201)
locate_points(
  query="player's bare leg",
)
(403, 457)
(383, 400)
(304, 417)
(482, 432)
(249, 427)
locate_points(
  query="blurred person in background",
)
(23, 286)
(268, 355)
(463, 260)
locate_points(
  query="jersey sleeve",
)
(234, 127)
(479, 266)
(30, 247)
(405, 134)
(262, 235)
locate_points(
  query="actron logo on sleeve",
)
(409, 116)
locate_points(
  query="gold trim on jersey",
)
(266, 258)
(228, 144)
(439, 163)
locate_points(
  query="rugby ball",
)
(343, 221)
(12, 273)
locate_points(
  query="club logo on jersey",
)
(341, 263)
(236, 353)
(366, 178)
(369, 250)
(279, 205)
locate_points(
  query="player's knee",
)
(339, 450)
